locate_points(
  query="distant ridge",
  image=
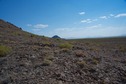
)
(55, 36)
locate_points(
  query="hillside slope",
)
(40, 60)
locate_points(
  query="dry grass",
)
(79, 53)
(81, 63)
(49, 58)
(47, 62)
(66, 45)
(122, 49)
(96, 60)
(4, 50)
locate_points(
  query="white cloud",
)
(88, 20)
(81, 13)
(95, 26)
(29, 25)
(103, 17)
(37, 28)
(95, 20)
(40, 26)
(120, 15)
(111, 15)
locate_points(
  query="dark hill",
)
(56, 36)
(26, 58)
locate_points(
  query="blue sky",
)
(67, 18)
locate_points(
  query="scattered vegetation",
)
(47, 43)
(87, 43)
(66, 45)
(32, 35)
(96, 60)
(65, 50)
(122, 49)
(47, 62)
(94, 48)
(56, 51)
(58, 39)
(79, 53)
(81, 63)
(49, 58)
(47, 47)
(16, 33)
(35, 48)
(4, 50)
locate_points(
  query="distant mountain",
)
(55, 36)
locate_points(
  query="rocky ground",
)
(40, 60)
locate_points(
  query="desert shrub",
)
(35, 47)
(32, 35)
(50, 58)
(20, 28)
(96, 60)
(65, 50)
(4, 50)
(47, 43)
(47, 62)
(47, 47)
(87, 43)
(81, 63)
(66, 45)
(56, 51)
(94, 48)
(16, 33)
(122, 49)
(58, 39)
(79, 53)
(43, 36)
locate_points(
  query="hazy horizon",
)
(67, 18)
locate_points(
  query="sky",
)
(67, 18)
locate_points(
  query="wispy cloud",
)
(103, 17)
(120, 15)
(38, 26)
(95, 26)
(111, 15)
(107, 16)
(29, 25)
(88, 20)
(81, 13)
